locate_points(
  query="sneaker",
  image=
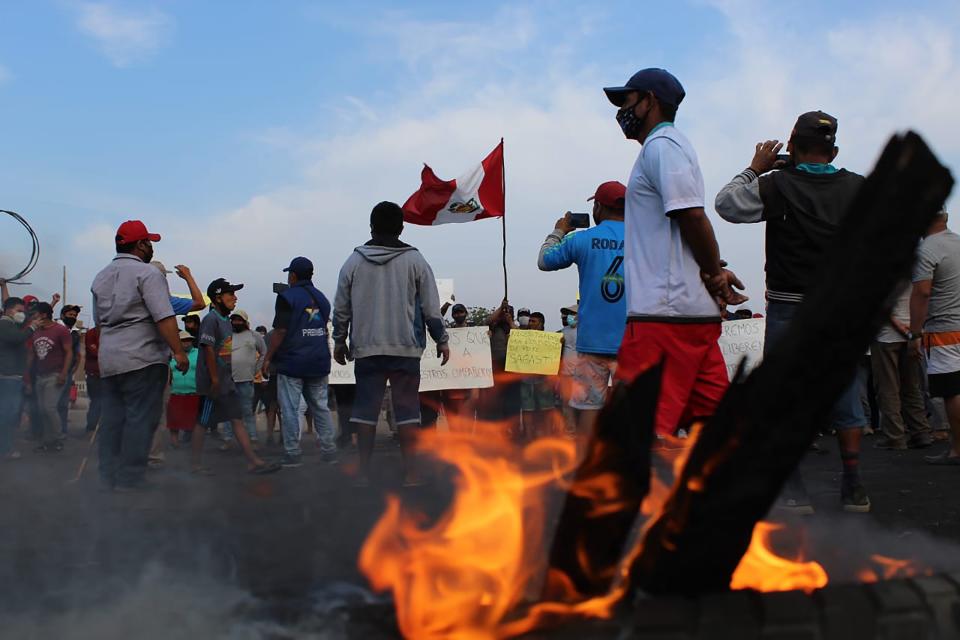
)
(885, 442)
(289, 462)
(920, 442)
(797, 506)
(330, 458)
(943, 459)
(854, 498)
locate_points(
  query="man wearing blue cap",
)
(301, 353)
(675, 281)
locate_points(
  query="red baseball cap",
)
(28, 299)
(135, 231)
(611, 194)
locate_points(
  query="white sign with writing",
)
(470, 365)
(742, 340)
(445, 290)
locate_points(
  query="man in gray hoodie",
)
(386, 302)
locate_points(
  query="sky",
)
(247, 132)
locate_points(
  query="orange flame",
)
(763, 570)
(460, 576)
(891, 568)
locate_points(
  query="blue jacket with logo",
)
(598, 254)
(305, 351)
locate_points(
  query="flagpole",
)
(503, 221)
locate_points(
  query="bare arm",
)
(196, 296)
(919, 302)
(697, 233)
(67, 357)
(276, 339)
(206, 352)
(171, 335)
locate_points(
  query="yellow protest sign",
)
(536, 352)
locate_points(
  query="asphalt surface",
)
(68, 550)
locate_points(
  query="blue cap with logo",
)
(301, 266)
(661, 82)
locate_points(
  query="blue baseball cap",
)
(301, 266)
(661, 82)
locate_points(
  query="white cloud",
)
(561, 141)
(124, 36)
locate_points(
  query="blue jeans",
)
(848, 411)
(245, 391)
(132, 404)
(11, 396)
(314, 391)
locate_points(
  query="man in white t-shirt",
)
(675, 280)
(935, 323)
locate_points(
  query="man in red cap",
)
(138, 331)
(598, 254)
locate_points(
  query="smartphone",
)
(784, 158)
(280, 287)
(580, 220)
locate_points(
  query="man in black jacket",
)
(803, 204)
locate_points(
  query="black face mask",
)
(629, 123)
(69, 321)
(192, 330)
(239, 328)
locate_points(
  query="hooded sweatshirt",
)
(386, 301)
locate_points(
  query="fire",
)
(460, 576)
(890, 568)
(762, 569)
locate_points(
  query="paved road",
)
(206, 542)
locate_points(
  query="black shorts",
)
(217, 409)
(270, 392)
(944, 385)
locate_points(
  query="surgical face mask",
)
(69, 321)
(629, 123)
(571, 321)
(524, 321)
(19, 317)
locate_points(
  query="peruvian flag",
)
(475, 195)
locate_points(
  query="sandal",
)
(265, 468)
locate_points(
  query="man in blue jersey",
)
(598, 254)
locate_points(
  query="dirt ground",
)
(67, 547)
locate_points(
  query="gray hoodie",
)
(386, 301)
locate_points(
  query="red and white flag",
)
(475, 195)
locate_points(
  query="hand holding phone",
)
(579, 220)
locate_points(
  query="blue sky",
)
(250, 132)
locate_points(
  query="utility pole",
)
(64, 301)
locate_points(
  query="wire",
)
(34, 252)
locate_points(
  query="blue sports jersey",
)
(598, 254)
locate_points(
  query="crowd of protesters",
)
(652, 290)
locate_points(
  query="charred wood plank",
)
(766, 422)
(594, 525)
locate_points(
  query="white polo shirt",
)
(662, 278)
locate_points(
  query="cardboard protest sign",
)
(470, 365)
(535, 352)
(445, 290)
(742, 340)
